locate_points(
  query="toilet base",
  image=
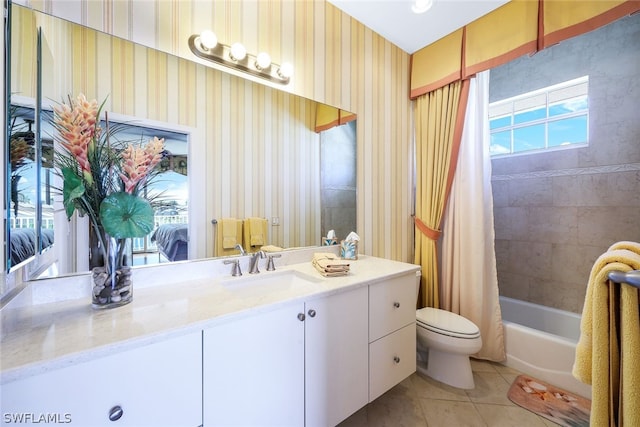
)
(449, 368)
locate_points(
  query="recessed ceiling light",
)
(421, 6)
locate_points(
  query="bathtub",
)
(541, 341)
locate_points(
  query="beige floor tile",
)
(509, 377)
(420, 401)
(445, 413)
(397, 407)
(478, 365)
(429, 388)
(505, 369)
(490, 388)
(508, 416)
(359, 419)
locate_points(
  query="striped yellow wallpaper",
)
(336, 61)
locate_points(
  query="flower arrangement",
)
(21, 141)
(104, 180)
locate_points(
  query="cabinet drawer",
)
(156, 385)
(391, 360)
(392, 305)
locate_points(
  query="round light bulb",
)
(286, 70)
(421, 6)
(208, 39)
(263, 61)
(238, 52)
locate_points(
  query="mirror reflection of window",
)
(23, 172)
(168, 194)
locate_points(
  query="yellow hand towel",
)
(231, 233)
(630, 357)
(598, 359)
(255, 232)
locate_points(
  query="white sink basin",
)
(269, 282)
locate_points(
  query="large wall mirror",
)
(239, 148)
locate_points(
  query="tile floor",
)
(420, 401)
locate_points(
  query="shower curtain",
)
(469, 282)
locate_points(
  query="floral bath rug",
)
(556, 405)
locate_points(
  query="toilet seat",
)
(446, 323)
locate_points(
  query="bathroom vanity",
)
(199, 347)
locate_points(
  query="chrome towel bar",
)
(632, 277)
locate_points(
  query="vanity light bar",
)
(206, 46)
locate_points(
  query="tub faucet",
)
(253, 264)
(241, 249)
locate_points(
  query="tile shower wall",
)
(338, 180)
(556, 212)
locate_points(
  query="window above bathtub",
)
(552, 118)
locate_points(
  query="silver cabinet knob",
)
(115, 413)
(396, 359)
(301, 317)
(311, 313)
(396, 304)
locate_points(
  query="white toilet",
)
(449, 339)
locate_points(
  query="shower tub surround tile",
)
(544, 253)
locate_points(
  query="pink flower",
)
(76, 124)
(138, 162)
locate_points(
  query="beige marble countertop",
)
(39, 335)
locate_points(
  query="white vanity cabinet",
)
(392, 332)
(336, 357)
(159, 384)
(253, 370)
(311, 355)
(303, 364)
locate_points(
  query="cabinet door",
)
(254, 370)
(392, 359)
(336, 356)
(156, 385)
(392, 305)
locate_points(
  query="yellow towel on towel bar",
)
(229, 234)
(608, 351)
(632, 246)
(255, 232)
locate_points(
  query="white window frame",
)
(506, 108)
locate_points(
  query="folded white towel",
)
(329, 265)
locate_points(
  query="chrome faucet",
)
(241, 249)
(253, 263)
(270, 265)
(236, 270)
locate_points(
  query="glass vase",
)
(112, 282)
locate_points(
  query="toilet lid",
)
(446, 323)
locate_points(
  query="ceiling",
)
(394, 20)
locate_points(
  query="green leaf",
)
(73, 189)
(124, 215)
